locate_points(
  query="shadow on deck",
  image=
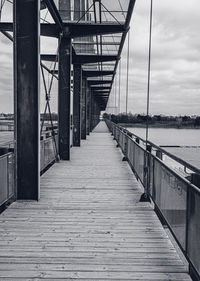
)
(88, 224)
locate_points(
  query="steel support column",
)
(65, 53)
(26, 98)
(88, 93)
(83, 110)
(76, 104)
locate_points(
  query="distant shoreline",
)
(158, 125)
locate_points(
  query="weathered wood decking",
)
(88, 224)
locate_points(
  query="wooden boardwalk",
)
(88, 224)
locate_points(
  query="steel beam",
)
(77, 82)
(82, 59)
(83, 29)
(54, 13)
(65, 52)
(83, 109)
(49, 57)
(101, 92)
(46, 29)
(88, 93)
(26, 98)
(91, 112)
(99, 82)
(96, 73)
(73, 30)
(50, 71)
(100, 88)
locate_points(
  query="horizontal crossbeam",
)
(100, 88)
(82, 59)
(101, 92)
(72, 30)
(96, 73)
(89, 29)
(99, 82)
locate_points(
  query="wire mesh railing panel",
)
(193, 245)
(48, 151)
(3, 180)
(138, 160)
(170, 195)
(124, 139)
(6, 177)
(130, 150)
(10, 169)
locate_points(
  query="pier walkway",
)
(88, 224)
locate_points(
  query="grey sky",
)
(175, 68)
(175, 82)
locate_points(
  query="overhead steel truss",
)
(96, 30)
(91, 35)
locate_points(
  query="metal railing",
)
(6, 177)
(48, 155)
(48, 151)
(176, 199)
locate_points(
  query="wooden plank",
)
(88, 225)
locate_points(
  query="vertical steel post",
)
(76, 104)
(26, 98)
(91, 110)
(64, 89)
(83, 110)
(88, 93)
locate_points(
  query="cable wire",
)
(127, 72)
(149, 71)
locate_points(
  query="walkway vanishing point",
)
(88, 224)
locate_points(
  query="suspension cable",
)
(149, 72)
(127, 72)
(119, 94)
(115, 94)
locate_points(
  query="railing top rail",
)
(177, 175)
(5, 155)
(176, 158)
(6, 143)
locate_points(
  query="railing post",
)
(125, 136)
(137, 140)
(145, 197)
(159, 154)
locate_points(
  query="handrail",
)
(159, 148)
(176, 199)
(6, 155)
(48, 155)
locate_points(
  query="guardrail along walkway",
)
(88, 224)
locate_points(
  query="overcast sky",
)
(175, 68)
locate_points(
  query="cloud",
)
(175, 60)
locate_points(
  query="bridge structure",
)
(83, 219)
